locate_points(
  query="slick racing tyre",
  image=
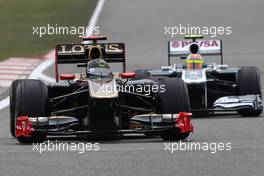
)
(12, 106)
(248, 83)
(173, 100)
(174, 135)
(28, 98)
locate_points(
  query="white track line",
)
(37, 73)
(4, 103)
(95, 16)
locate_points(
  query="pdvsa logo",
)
(201, 43)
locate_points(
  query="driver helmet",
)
(194, 61)
(97, 63)
(98, 71)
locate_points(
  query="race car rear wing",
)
(180, 48)
(79, 53)
(76, 53)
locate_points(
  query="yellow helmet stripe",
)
(196, 61)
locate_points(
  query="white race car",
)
(211, 87)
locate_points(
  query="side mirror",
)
(127, 75)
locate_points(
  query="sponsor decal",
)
(201, 43)
(81, 48)
(206, 46)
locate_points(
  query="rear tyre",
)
(248, 83)
(173, 100)
(29, 98)
(142, 74)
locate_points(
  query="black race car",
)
(98, 103)
(212, 87)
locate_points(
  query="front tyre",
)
(12, 96)
(28, 98)
(174, 135)
(173, 100)
(248, 83)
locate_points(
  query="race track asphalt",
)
(140, 24)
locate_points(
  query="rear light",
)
(67, 76)
(127, 75)
(94, 37)
(24, 127)
(184, 122)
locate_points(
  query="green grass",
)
(17, 18)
